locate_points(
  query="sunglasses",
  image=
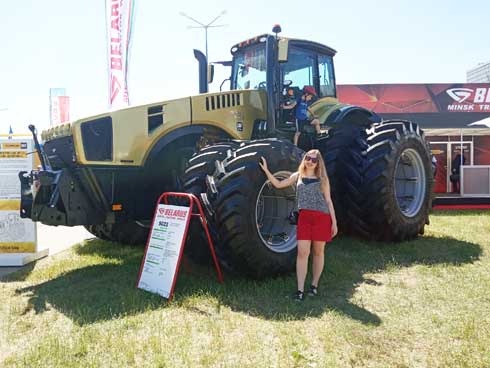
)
(312, 159)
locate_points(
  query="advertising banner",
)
(434, 106)
(418, 98)
(164, 250)
(17, 235)
(59, 106)
(119, 24)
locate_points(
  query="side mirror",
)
(210, 73)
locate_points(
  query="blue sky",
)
(61, 43)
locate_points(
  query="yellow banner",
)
(27, 247)
(10, 145)
(13, 154)
(10, 205)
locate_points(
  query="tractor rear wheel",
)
(382, 179)
(343, 152)
(398, 180)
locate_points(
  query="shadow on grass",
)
(347, 261)
(106, 291)
(19, 274)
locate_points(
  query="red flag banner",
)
(59, 106)
(119, 20)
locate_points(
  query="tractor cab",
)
(283, 67)
(280, 68)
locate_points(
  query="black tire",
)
(201, 164)
(242, 218)
(362, 163)
(343, 152)
(129, 233)
(398, 181)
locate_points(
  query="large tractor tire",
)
(382, 179)
(343, 151)
(199, 166)
(203, 163)
(256, 238)
(130, 233)
(398, 181)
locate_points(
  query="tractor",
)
(106, 172)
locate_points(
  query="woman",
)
(317, 223)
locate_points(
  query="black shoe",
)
(298, 296)
(313, 291)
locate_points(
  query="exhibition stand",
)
(18, 236)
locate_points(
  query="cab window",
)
(249, 69)
(326, 76)
(300, 69)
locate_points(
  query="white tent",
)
(484, 122)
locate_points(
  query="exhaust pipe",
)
(203, 71)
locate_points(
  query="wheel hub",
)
(410, 182)
(271, 213)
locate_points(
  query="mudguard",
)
(351, 114)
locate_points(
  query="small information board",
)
(18, 237)
(164, 247)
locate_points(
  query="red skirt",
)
(314, 225)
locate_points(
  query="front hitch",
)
(26, 197)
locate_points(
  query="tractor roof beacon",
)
(106, 171)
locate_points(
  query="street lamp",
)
(205, 26)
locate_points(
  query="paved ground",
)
(56, 239)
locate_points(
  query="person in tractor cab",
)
(289, 101)
(302, 106)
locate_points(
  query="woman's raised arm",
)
(274, 181)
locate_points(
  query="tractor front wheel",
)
(251, 216)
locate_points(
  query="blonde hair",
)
(320, 169)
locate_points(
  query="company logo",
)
(115, 88)
(459, 94)
(469, 99)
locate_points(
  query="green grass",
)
(424, 303)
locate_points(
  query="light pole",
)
(205, 26)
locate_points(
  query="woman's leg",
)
(318, 261)
(302, 262)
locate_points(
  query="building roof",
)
(457, 132)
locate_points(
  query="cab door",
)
(301, 69)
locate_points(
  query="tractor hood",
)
(128, 133)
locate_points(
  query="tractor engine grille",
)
(223, 101)
(97, 139)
